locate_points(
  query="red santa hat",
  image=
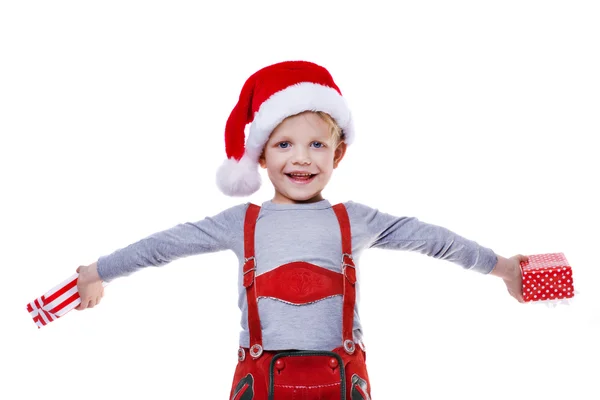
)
(268, 97)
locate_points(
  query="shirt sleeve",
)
(380, 230)
(212, 234)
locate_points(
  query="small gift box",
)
(547, 277)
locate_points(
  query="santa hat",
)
(268, 97)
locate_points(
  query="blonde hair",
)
(334, 128)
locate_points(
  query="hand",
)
(510, 271)
(89, 286)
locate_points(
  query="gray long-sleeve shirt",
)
(297, 232)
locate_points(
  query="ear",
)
(340, 151)
(262, 161)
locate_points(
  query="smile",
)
(301, 179)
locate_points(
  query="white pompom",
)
(238, 178)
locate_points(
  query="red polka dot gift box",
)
(547, 277)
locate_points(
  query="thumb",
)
(78, 269)
(521, 258)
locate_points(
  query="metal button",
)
(349, 346)
(256, 350)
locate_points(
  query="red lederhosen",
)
(300, 375)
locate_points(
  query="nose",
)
(301, 157)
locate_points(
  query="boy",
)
(298, 255)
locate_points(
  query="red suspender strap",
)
(249, 281)
(349, 272)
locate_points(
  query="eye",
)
(281, 145)
(318, 145)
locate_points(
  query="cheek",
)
(274, 163)
(325, 159)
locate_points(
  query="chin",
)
(306, 197)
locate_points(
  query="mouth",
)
(301, 179)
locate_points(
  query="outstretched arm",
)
(373, 228)
(376, 229)
(209, 235)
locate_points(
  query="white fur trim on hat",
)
(239, 178)
(305, 96)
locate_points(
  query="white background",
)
(482, 117)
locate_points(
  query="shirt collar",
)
(318, 205)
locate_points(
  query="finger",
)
(520, 259)
(514, 294)
(519, 297)
(78, 269)
(81, 306)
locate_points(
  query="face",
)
(300, 157)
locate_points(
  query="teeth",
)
(300, 174)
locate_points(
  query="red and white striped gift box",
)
(56, 302)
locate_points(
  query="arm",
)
(209, 235)
(376, 229)
(212, 234)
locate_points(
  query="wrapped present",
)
(56, 302)
(547, 277)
